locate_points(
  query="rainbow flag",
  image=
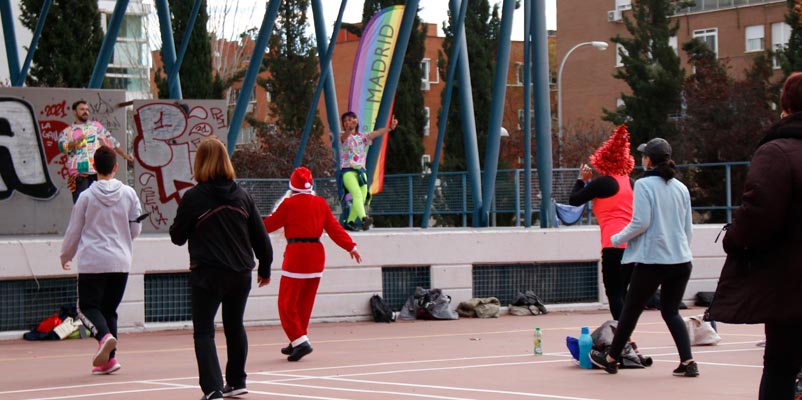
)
(371, 65)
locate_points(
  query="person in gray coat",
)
(762, 275)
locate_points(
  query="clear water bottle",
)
(585, 345)
(538, 350)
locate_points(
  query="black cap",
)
(657, 149)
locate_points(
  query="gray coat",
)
(762, 276)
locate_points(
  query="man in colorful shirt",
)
(354, 151)
(79, 142)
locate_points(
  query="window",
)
(622, 5)
(425, 66)
(754, 38)
(425, 163)
(426, 111)
(519, 73)
(620, 51)
(709, 37)
(672, 41)
(780, 32)
(521, 119)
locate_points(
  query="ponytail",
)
(666, 169)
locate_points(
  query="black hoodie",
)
(222, 224)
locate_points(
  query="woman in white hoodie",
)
(102, 228)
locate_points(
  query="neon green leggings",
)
(359, 193)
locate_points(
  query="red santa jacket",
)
(305, 216)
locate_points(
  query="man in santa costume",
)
(304, 216)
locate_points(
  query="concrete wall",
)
(346, 286)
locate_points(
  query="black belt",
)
(303, 240)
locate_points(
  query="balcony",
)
(713, 5)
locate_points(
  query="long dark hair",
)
(666, 169)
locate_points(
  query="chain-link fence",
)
(715, 191)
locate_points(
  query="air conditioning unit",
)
(614, 16)
(425, 84)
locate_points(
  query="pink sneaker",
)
(104, 349)
(107, 368)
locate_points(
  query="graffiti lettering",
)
(22, 159)
(58, 110)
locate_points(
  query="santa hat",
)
(301, 180)
(613, 157)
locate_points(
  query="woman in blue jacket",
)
(658, 243)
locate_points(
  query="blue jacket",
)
(660, 231)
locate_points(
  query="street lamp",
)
(599, 45)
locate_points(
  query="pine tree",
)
(405, 143)
(791, 57)
(197, 80)
(69, 45)
(481, 32)
(651, 68)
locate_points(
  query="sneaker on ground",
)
(107, 368)
(233, 391)
(213, 395)
(366, 222)
(298, 352)
(107, 344)
(599, 359)
(691, 370)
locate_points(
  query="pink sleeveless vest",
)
(615, 212)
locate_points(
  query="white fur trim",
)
(300, 341)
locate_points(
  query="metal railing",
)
(712, 186)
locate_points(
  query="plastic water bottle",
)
(585, 345)
(538, 342)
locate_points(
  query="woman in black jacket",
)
(224, 230)
(762, 276)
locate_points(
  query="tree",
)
(197, 80)
(405, 143)
(791, 57)
(69, 45)
(651, 68)
(293, 73)
(481, 32)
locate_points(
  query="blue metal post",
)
(453, 60)
(326, 77)
(527, 67)
(542, 111)
(468, 123)
(7, 16)
(106, 49)
(332, 111)
(168, 48)
(37, 32)
(396, 64)
(250, 74)
(193, 15)
(410, 201)
(497, 109)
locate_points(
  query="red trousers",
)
(296, 297)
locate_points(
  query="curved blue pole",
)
(10, 36)
(332, 111)
(396, 64)
(250, 74)
(193, 15)
(325, 78)
(37, 32)
(497, 110)
(168, 48)
(102, 62)
(453, 59)
(527, 69)
(543, 111)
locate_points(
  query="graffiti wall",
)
(168, 134)
(34, 198)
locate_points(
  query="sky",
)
(432, 11)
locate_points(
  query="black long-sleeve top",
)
(602, 187)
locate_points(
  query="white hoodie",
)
(101, 231)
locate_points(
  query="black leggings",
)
(646, 278)
(782, 360)
(616, 279)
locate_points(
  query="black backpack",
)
(380, 310)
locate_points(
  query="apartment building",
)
(736, 30)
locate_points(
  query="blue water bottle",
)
(585, 345)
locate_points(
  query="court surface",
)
(464, 359)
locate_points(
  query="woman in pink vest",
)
(611, 194)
